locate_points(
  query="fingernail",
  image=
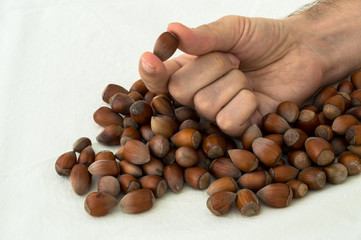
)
(234, 59)
(149, 68)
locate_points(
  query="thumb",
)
(221, 35)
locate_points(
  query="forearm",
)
(332, 30)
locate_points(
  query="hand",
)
(237, 69)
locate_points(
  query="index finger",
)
(155, 74)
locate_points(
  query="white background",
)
(56, 56)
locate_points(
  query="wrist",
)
(333, 34)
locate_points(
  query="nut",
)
(102, 168)
(289, 111)
(81, 143)
(187, 137)
(141, 111)
(336, 173)
(159, 146)
(190, 123)
(283, 173)
(342, 123)
(137, 201)
(255, 180)
(128, 121)
(267, 151)
(334, 107)
(245, 160)
(274, 123)
(164, 125)
(65, 162)
(186, 113)
(156, 184)
(80, 179)
(186, 156)
(247, 203)
(294, 138)
(135, 95)
(139, 86)
(165, 45)
(222, 184)
(146, 132)
(121, 103)
(250, 135)
(104, 155)
(319, 150)
(345, 86)
(351, 161)
(339, 145)
(356, 79)
(174, 176)
(324, 131)
(104, 116)
(99, 203)
(356, 98)
(324, 94)
(299, 159)
(276, 138)
(220, 203)
(313, 177)
(128, 183)
(128, 134)
(299, 189)
(163, 105)
(278, 195)
(129, 168)
(214, 146)
(110, 185)
(86, 156)
(197, 178)
(136, 152)
(112, 89)
(224, 167)
(110, 135)
(153, 167)
(353, 135)
(307, 121)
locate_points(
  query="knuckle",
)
(178, 91)
(203, 104)
(224, 121)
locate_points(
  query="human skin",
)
(237, 69)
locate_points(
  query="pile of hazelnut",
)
(164, 144)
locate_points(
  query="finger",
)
(209, 100)
(155, 73)
(220, 35)
(199, 73)
(234, 118)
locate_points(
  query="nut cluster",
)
(163, 145)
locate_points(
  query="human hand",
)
(238, 69)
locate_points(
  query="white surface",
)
(55, 59)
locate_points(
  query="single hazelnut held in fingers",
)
(104, 116)
(278, 195)
(136, 152)
(319, 150)
(299, 188)
(174, 176)
(245, 160)
(247, 203)
(187, 137)
(289, 111)
(156, 184)
(102, 168)
(165, 45)
(255, 180)
(342, 123)
(81, 143)
(65, 162)
(99, 204)
(197, 178)
(351, 161)
(86, 156)
(112, 89)
(222, 184)
(313, 177)
(267, 151)
(220, 203)
(250, 135)
(137, 201)
(128, 183)
(110, 185)
(80, 179)
(336, 173)
(274, 123)
(223, 167)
